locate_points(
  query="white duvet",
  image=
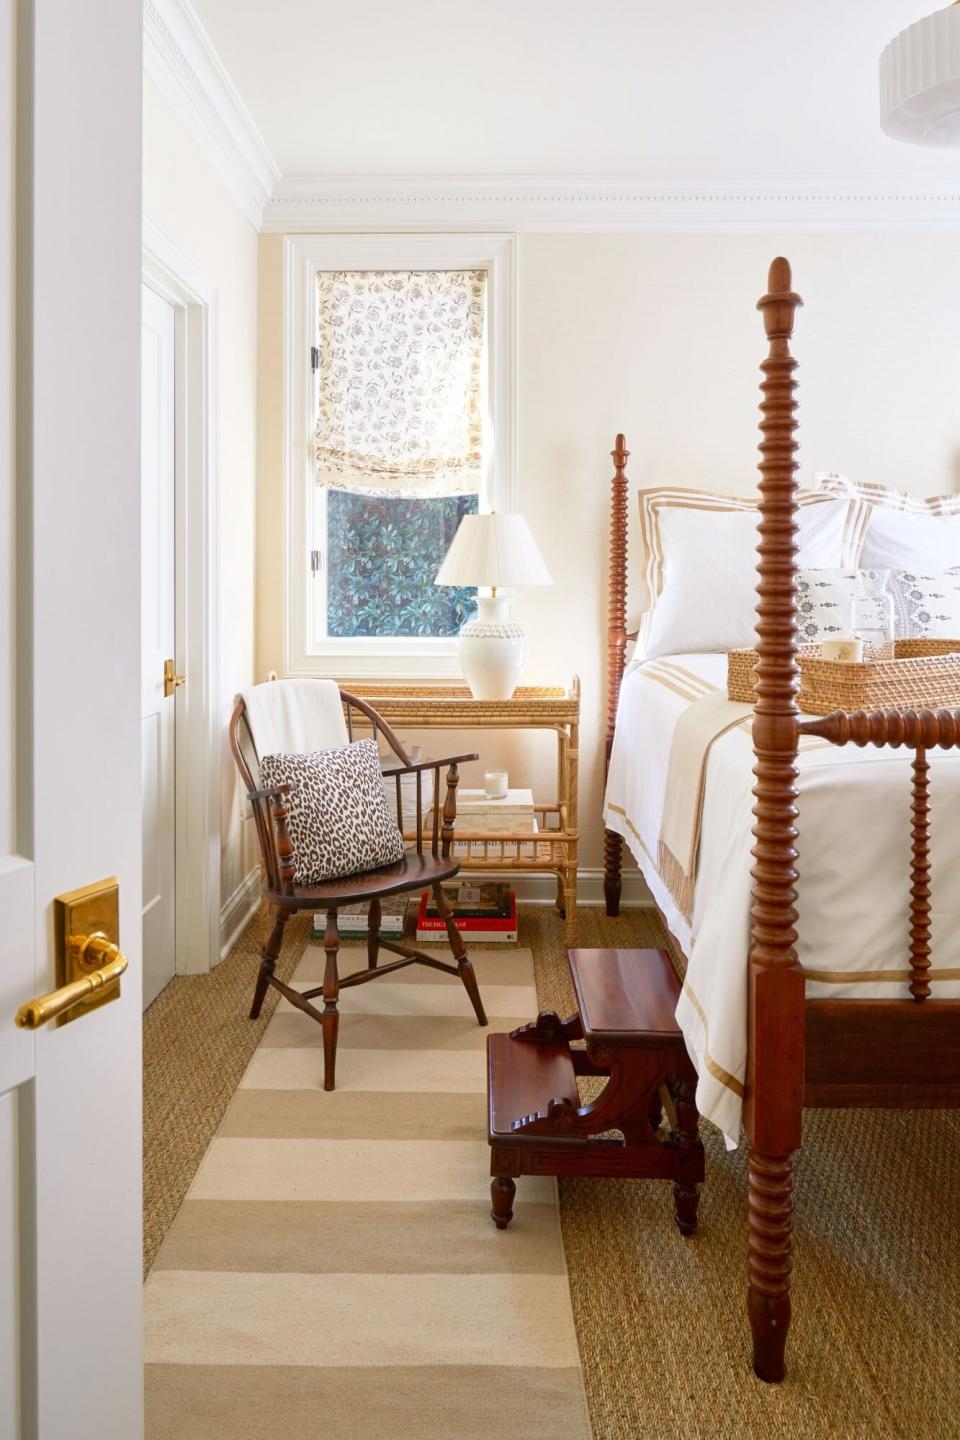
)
(854, 865)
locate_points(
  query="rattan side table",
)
(553, 850)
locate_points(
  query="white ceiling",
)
(784, 88)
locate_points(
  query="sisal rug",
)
(333, 1269)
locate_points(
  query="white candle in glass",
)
(849, 651)
(495, 784)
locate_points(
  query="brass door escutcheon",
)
(88, 958)
(171, 680)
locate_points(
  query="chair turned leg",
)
(502, 1191)
(464, 968)
(268, 963)
(686, 1137)
(330, 1020)
(373, 934)
(770, 1222)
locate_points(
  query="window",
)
(382, 555)
(398, 385)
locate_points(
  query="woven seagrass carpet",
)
(875, 1345)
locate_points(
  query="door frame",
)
(175, 277)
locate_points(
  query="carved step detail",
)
(526, 1080)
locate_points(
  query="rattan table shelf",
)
(553, 850)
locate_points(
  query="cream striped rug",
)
(333, 1270)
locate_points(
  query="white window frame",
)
(303, 256)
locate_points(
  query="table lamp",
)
(493, 550)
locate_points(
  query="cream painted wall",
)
(188, 200)
(657, 335)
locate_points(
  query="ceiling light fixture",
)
(920, 81)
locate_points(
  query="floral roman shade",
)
(400, 402)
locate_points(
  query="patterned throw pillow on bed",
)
(925, 606)
(337, 811)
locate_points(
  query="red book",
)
(468, 924)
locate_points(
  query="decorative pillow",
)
(925, 606)
(824, 604)
(337, 811)
(699, 564)
(897, 531)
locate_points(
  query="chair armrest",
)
(390, 769)
(271, 792)
(442, 835)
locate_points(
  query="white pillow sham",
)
(700, 565)
(926, 605)
(897, 531)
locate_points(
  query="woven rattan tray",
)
(924, 676)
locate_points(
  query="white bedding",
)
(854, 865)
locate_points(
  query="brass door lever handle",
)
(171, 680)
(102, 964)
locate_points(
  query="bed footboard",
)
(617, 638)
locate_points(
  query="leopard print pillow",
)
(337, 811)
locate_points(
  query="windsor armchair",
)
(427, 864)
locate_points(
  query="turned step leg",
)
(502, 1191)
(686, 1139)
(770, 1220)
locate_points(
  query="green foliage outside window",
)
(382, 555)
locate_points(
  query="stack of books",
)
(482, 913)
(352, 923)
(477, 814)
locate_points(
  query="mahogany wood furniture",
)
(552, 707)
(625, 1018)
(426, 865)
(901, 1054)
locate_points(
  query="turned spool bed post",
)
(617, 638)
(773, 1099)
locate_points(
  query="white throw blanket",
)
(703, 722)
(295, 717)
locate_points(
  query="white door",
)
(70, 1199)
(158, 629)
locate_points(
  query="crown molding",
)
(606, 203)
(180, 58)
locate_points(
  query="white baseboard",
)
(542, 889)
(239, 910)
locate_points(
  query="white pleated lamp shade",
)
(493, 550)
(920, 81)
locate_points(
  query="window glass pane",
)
(382, 555)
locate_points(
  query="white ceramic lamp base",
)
(493, 650)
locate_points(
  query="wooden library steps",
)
(624, 1030)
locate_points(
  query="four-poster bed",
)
(821, 1052)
